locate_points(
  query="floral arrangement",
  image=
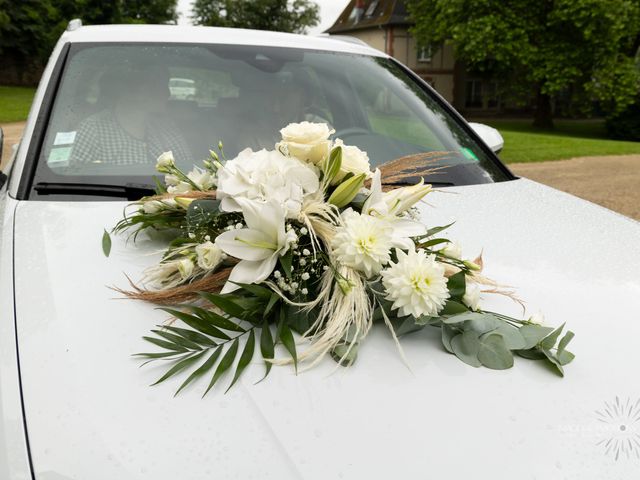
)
(304, 240)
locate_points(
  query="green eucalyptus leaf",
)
(562, 345)
(183, 363)
(245, 358)
(404, 325)
(448, 334)
(533, 334)
(512, 337)
(466, 348)
(531, 354)
(203, 207)
(106, 243)
(493, 352)
(464, 317)
(549, 341)
(204, 368)
(345, 354)
(565, 357)
(224, 365)
(554, 361)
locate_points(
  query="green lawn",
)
(571, 138)
(15, 103)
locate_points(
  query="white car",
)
(74, 405)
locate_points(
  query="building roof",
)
(362, 14)
(210, 35)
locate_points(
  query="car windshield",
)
(118, 107)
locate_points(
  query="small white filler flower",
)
(416, 284)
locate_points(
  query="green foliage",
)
(277, 15)
(584, 48)
(106, 243)
(30, 28)
(15, 103)
(570, 139)
(625, 125)
(214, 342)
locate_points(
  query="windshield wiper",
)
(404, 183)
(130, 191)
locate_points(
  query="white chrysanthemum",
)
(416, 284)
(362, 243)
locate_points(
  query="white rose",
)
(185, 267)
(307, 141)
(354, 161)
(203, 179)
(209, 255)
(471, 297)
(165, 161)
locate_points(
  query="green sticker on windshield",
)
(59, 156)
(467, 152)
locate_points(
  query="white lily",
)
(389, 206)
(259, 245)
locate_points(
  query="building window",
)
(357, 12)
(371, 8)
(492, 95)
(425, 54)
(473, 94)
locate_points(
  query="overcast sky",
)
(329, 11)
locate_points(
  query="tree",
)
(279, 15)
(583, 48)
(30, 28)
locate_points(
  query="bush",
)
(625, 125)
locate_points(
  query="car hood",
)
(91, 415)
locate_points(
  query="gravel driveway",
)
(613, 182)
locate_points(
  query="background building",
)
(384, 24)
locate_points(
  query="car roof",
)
(212, 35)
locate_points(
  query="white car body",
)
(74, 406)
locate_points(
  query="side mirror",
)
(489, 135)
(3, 176)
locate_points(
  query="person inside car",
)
(133, 129)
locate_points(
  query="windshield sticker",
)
(64, 138)
(467, 152)
(59, 156)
